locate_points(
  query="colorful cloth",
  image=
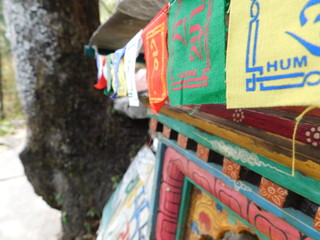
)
(102, 81)
(119, 84)
(108, 69)
(155, 48)
(132, 50)
(196, 40)
(273, 53)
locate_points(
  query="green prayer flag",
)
(197, 52)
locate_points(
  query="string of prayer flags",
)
(102, 82)
(156, 54)
(273, 53)
(131, 53)
(196, 45)
(119, 87)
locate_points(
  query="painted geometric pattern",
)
(317, 220)
(231, 169)
(208, 218)
(273, 192)
(182, 141)
(166, 132)
(203, 152)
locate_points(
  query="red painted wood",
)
(307, 133)
(176, 167)
(298, 109)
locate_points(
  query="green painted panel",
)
(300, 184)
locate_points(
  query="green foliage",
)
(6, 127)
(115, 181)
(106, 9)
(64, 217)
(91, 212)
(88, 227)
(59, 199)
(10, 102)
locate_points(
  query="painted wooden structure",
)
(221, 170)
(235, 165)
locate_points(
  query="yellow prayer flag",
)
(122, 88)
(273, 56)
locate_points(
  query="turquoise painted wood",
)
(184, 208)
(295, 218)
(155, 194)
(300, 184)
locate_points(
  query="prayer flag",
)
(102, 82)
(132, 50)
(273, 53)
(119, 84)
(196, 45)
(156, 54)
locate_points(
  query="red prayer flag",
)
(155, 36)
(102, 81)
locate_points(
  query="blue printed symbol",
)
(258, 80)
(312, 48)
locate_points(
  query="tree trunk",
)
(76, 142)
(1, 88)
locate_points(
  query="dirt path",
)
(23, 214)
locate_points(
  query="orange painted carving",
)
(231, 169)
(273, 192)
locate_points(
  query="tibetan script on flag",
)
(273, 53)
(196, 40)
(155, 45)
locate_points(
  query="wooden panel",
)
(267, 120)
(300, 184)
(203, 152)
(273, 150)
(176, 167)
(273, 192)
(231, 169)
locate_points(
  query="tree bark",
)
(76, 142)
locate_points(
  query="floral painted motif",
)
(182, 141)
(203, 152)
(316, 223)
(231, 169)
(313, 136)
(273, 192)
(238, 115)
